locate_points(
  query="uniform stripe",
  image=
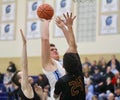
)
(57, 74)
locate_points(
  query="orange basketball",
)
(45, 11)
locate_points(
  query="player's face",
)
(54, 53)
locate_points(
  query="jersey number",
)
(76, 86)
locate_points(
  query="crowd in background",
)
(102, 79)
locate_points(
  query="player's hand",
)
(69, 18)
(59, 22)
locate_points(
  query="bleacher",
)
(4, 95)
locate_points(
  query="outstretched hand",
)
(23, 36)
(69, 18)
(60, 22)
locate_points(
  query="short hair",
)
(71, 63)
(52, 45)
(15, 78)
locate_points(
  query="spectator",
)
(86, 77)
(86, 61)
(94, 64)
(12, 67)
(117, 93)
(114, 69)
(89, 94)
(86, 68)
(109, 73)
(7, 80)
(108, 86)
(103, 67)
(90, 86)
(111, 97)
(117, 82)
(100, 60)
(115, 61)
(97, 80)
(43, 82)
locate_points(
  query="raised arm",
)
(45, 43)
(67, 29)
(25, 85)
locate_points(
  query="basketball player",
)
(51, 67)
(21, 79)
(71, 85)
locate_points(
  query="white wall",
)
(103, 44)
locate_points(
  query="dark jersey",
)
(23, 97)
(70, 86)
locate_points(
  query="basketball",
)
(45, 11)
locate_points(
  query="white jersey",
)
(54, 76)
